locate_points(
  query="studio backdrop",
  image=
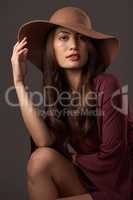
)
(111, 17)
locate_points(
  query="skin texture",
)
(37, 130)
(50, 170)
(67, 42)
(50, 175)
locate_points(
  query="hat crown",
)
(71, 16)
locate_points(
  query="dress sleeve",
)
(103, 166)
(130, 133)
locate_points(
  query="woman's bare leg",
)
(51, 176)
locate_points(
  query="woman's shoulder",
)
(106, 79)
(106, 76)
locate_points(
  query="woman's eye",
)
(63, 37)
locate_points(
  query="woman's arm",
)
(37, 128)
(105, 166)
(113, 132)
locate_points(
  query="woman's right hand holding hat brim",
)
(18, 61)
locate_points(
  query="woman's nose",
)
(73, 43)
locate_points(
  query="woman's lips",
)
(74, 57)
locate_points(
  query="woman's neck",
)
(74, 78)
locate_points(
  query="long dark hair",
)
(54, 76)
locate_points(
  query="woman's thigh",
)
(63, 172)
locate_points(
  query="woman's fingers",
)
(70, 148)
(25, 38)
(19, 42)
(18, 60)
(22, 55)
(74, 158)
(23, 41)
(23, 51)
(19, 45)
(20, 51)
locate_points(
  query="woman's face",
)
(71, 48)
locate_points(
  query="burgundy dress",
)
(105, 158)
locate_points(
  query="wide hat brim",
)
(37, 30)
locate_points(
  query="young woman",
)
(82, 148)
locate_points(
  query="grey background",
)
(111, 17)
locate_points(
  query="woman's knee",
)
(41, 161)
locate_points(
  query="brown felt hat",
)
(74, 19)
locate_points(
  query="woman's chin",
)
(73, 65)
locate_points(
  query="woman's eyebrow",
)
(63, 31)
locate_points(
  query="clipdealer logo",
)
(122, 91)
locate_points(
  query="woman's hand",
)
(73, 157)
(72, 153)
(18, 60)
